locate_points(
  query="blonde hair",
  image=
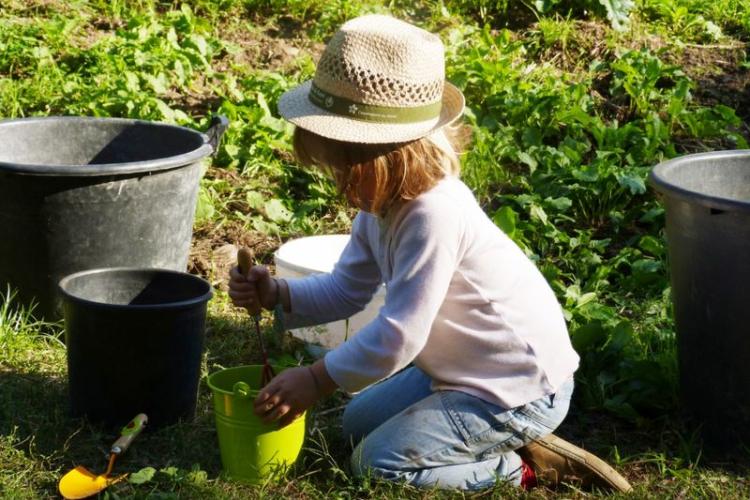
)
(375, 177)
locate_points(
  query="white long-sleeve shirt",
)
(462, 302)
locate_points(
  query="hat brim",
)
(295, 107)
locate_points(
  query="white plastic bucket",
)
(314, 255)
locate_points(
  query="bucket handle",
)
(241, 390)
(219, 125)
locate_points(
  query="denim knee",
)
(350, 429)
(362, 463)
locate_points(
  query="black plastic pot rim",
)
(183, 304)
(658, 179)
(111, 169)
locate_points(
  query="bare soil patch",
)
(719, 75)
(274, 48)
(271, 48)
(214, 247)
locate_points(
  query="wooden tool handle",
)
(129, 433)
(244, 260)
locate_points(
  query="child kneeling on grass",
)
(468, 367)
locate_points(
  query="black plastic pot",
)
(707, 200)
(134, 339)
(82, 193)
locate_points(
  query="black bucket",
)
(707, 200)
(83, 193)
(135, 340)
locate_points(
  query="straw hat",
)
(379, 80)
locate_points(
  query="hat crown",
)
(380, 60)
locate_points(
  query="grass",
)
(568, 116)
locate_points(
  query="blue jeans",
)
(448, 439)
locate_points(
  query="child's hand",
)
(287, 396)
(255, 291)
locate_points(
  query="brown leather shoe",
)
(556, 461)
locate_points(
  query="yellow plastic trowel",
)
(82, 483)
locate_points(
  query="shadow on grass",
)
(34, 407)
(35, 415)
(670, 438)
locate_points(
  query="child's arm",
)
(425, 250)
(345, 291)
(315, 299)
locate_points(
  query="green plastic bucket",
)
(251, 451)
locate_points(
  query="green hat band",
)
(370, 112)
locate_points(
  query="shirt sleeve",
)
(327, 297)
(425, 249)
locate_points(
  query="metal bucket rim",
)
(182, 304)
(657, 179)
(101, 169)
(210, 379)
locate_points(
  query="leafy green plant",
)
(555, 32)
(684, 19)
(562, 170)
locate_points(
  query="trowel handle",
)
(244, 260)
(129, 433)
